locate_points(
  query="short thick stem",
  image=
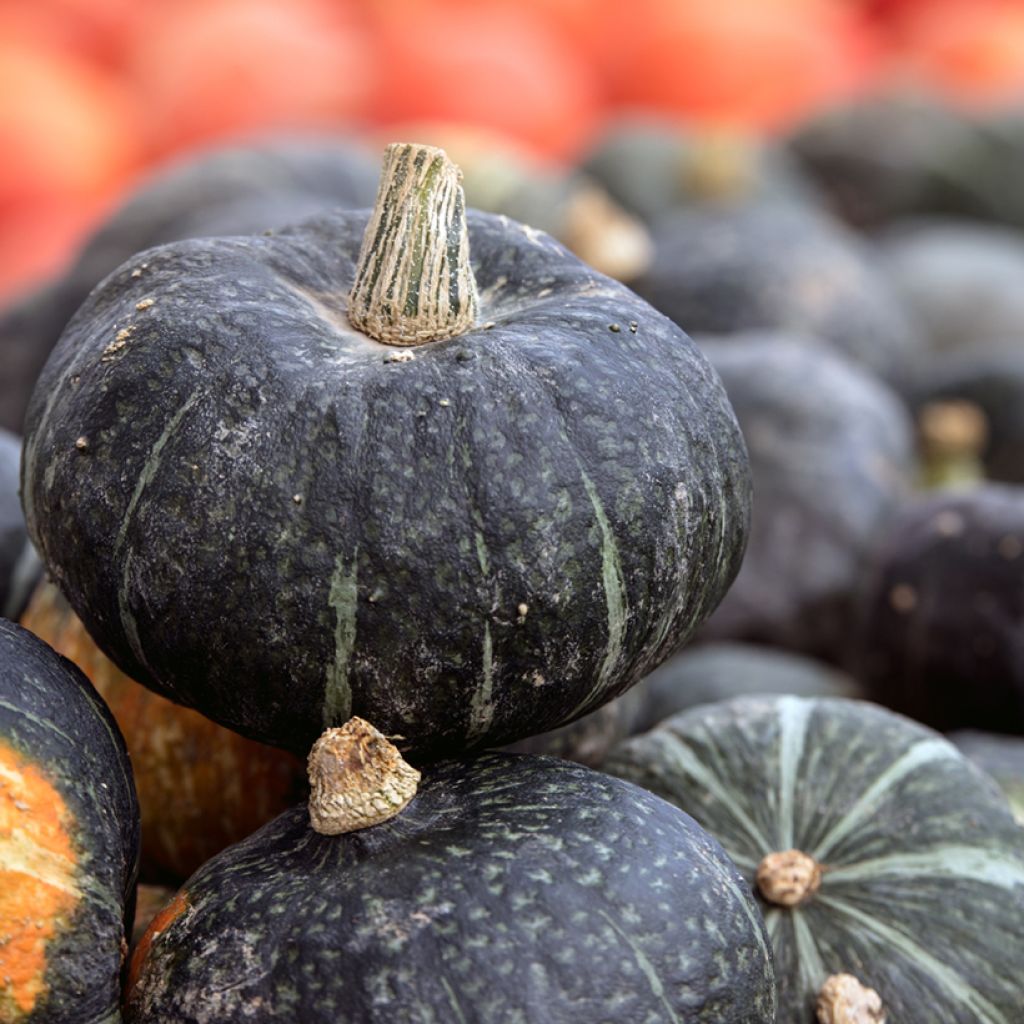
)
(788, 878)
(414, 282)
(357, 779)
(844, 1000)
(952, 435)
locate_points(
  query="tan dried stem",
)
(414, 282)
(604, 235)
(788, 878)
(357, 778)
(844, 1000)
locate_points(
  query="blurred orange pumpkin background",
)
(93, 93)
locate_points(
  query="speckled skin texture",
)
(922, 894)
(234, 190)
(781, 266)
(275, 522)
(719, 671)
(990, 375)
(19, 564)
(831, 451)
(513, 889)
(51, 716)
(939, 637)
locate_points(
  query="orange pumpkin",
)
(201, 787)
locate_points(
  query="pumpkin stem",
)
(788, 878)
(604, 235)
(721, 167)
(952, 436)
(357, 779)
(844, 1000)
(414, 282)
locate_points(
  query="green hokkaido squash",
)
(876, 849)
(266, 513)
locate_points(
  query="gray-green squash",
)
(262, 512)
(876, 848)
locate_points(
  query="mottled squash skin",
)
(922, 887)
(69, 841)
(19, 563)
(273, 521)
(831, 452)
(513, 888)
(201, 787)
(232, 190)
(1001, 757)
(939, 632)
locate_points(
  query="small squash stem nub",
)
(357, 779)
(414, 282)
(844, 1000)
(788, 878)
(952, 435)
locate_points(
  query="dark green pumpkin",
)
(939, 630)
(831, 453)
(232, 190)
(20, 568)
(69, 841)
(921, 893)
(262, 513)
(778, 266)
(512, 889)
(713, 672)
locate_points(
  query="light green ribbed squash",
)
(920, 894)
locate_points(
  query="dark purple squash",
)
(266, 514)
(69, 841)
(939, 637)
(831, 452)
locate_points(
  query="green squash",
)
(1000, 756)
(877, 850)
(513, 888)
(264, 513)
(69, 841)
(20, 568)
(782, 266)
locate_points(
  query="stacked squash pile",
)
(361, 499)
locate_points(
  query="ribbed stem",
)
(414, 282)
(357, 778)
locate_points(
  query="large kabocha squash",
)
(201, 787)
(69, 841)
(780, 266)
(19, 563)
(513, 889)
(1001, 757)
(231, 190)
(261, 511)
(831, 453)
(882, 858)
(939, 625)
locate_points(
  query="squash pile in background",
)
(824, 195)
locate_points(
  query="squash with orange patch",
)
(69, 841)
(201, 787)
